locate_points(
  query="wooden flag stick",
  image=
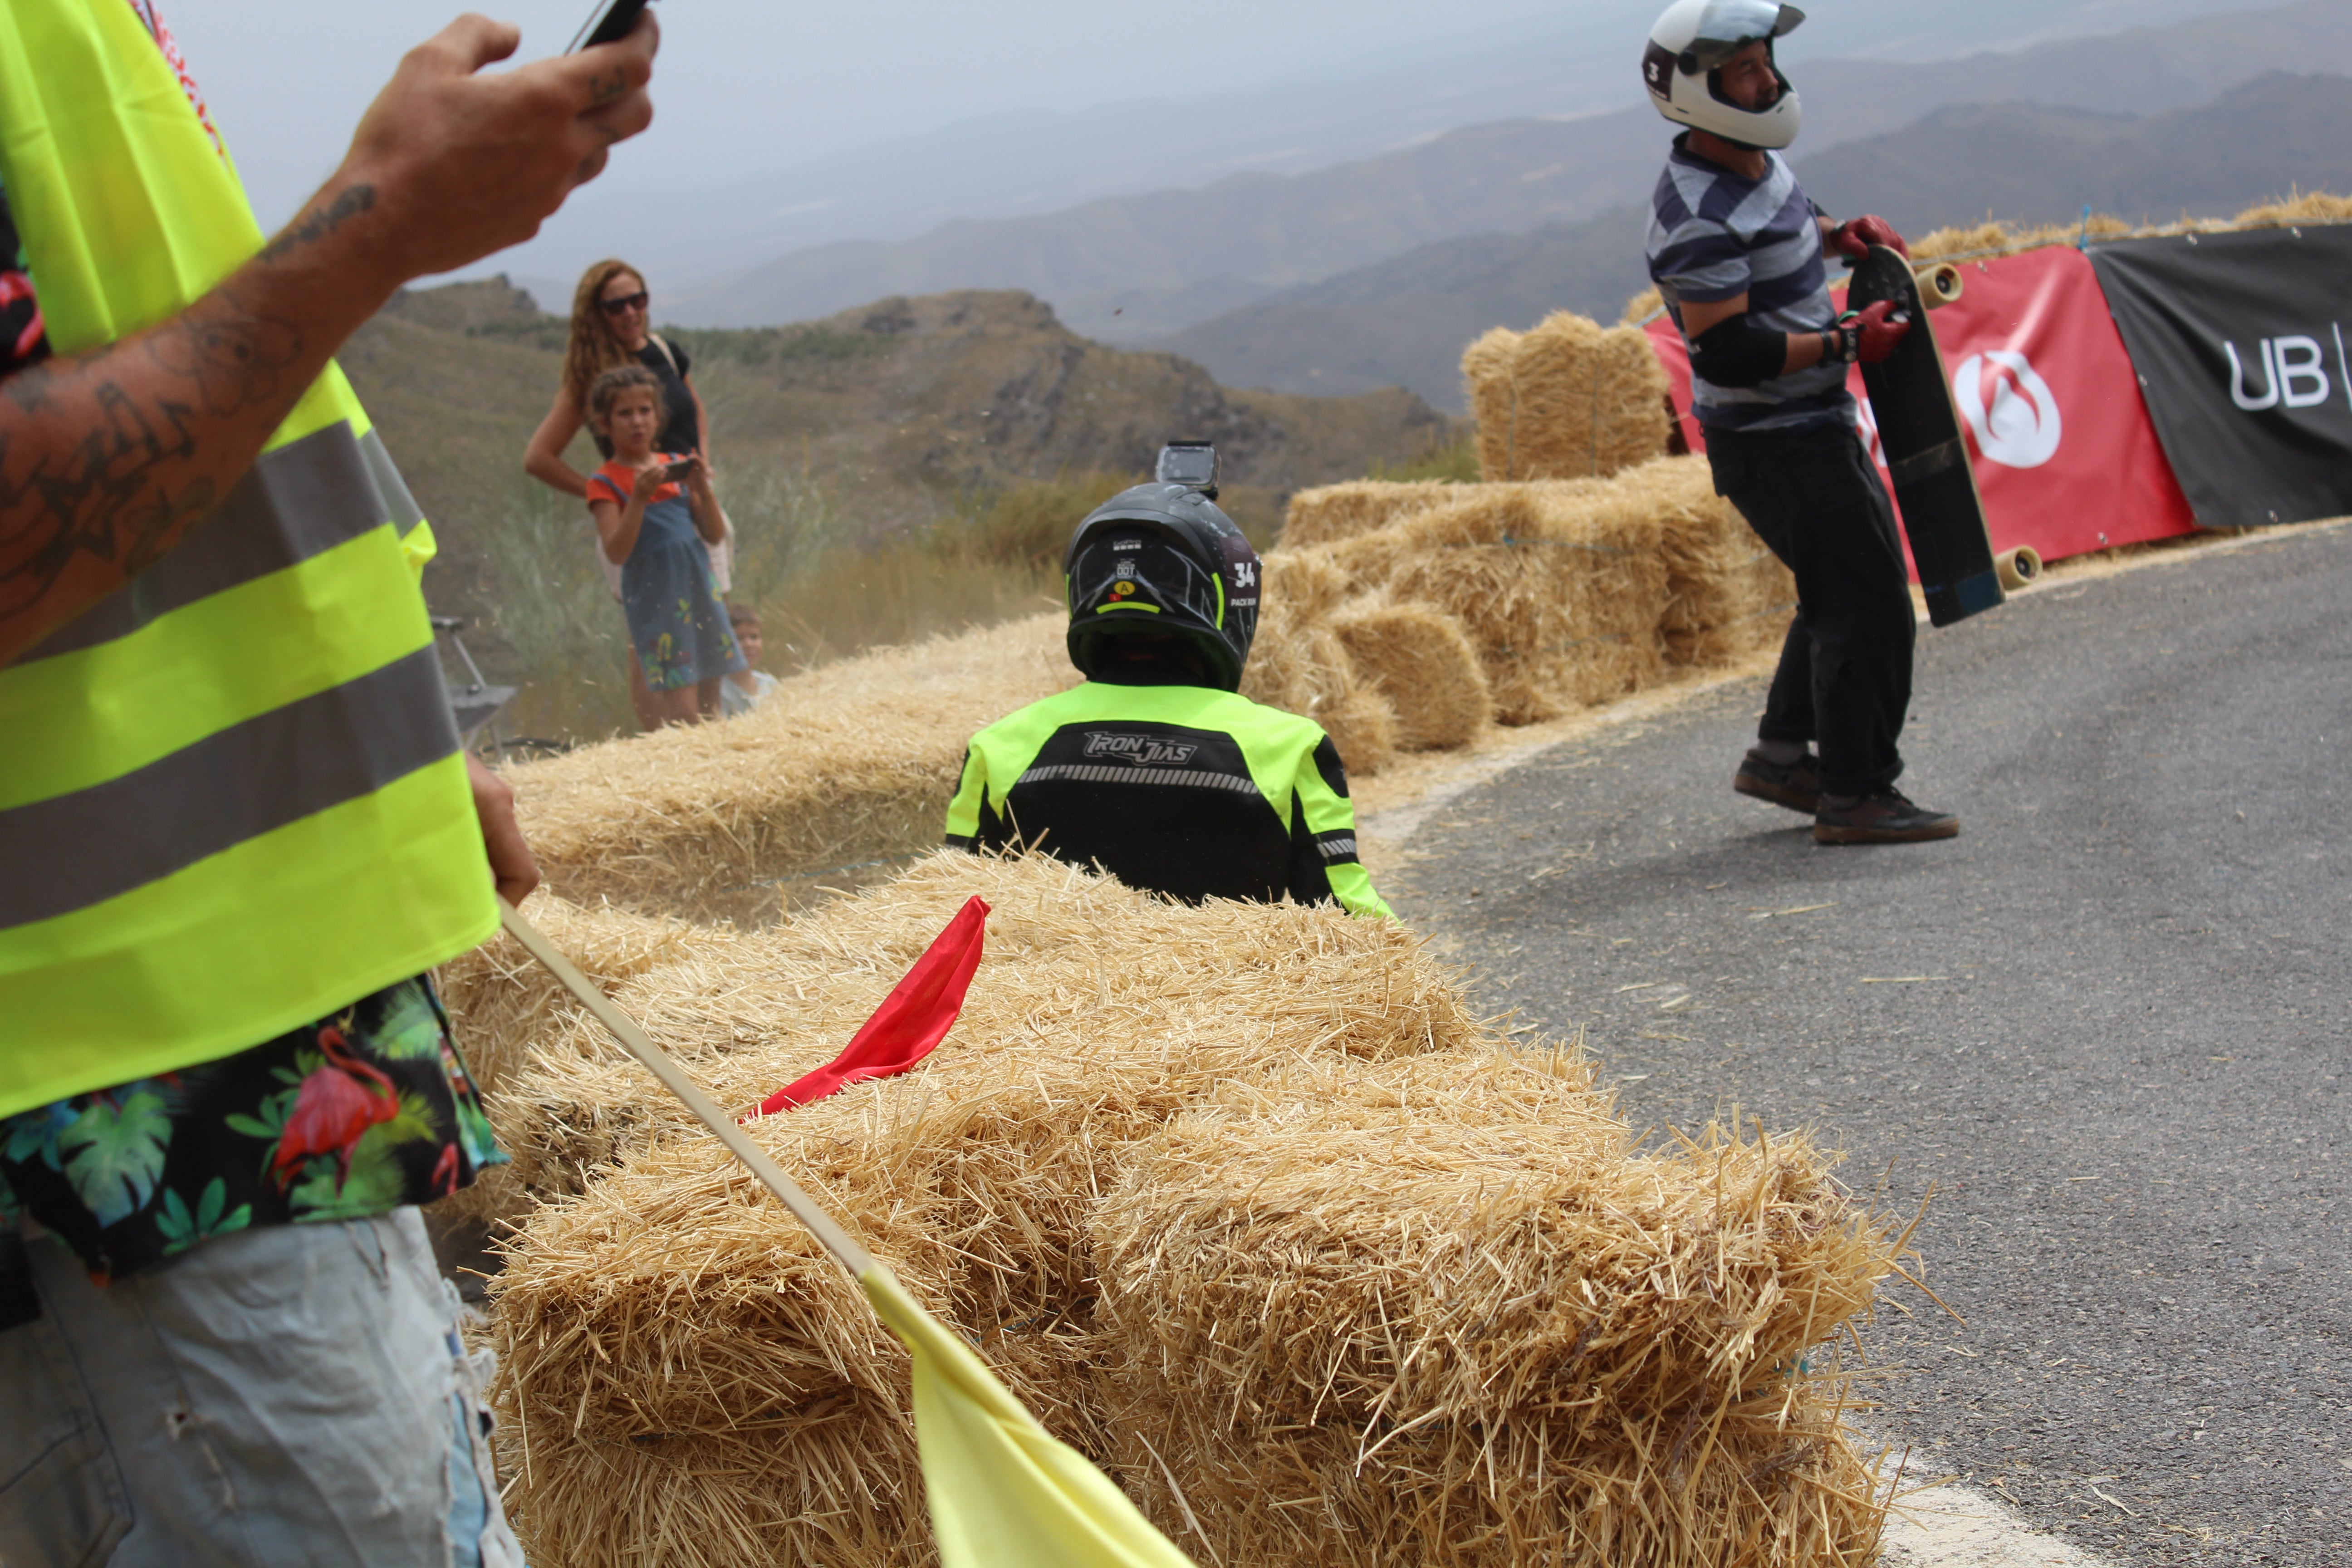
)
(846, 1252)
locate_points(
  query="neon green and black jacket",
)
(1182, 790)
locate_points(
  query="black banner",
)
(2240, 341)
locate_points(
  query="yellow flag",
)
(1003, 1490)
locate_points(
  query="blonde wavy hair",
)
(593, 350)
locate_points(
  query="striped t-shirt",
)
(1714, 236)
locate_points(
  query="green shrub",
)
(1457, 462)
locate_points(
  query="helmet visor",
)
(1726, 27)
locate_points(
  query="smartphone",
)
(608, 24)
(676, 472)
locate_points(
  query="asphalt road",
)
(2108, 1023)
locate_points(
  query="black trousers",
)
(1814, 499)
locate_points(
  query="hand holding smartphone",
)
(609, 23)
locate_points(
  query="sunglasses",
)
(624, 303)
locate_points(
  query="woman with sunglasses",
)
(612, 325)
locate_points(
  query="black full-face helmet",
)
(1158, 559)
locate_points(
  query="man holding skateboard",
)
(1737, 250)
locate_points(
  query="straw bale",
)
(1420, 659)
(1329, 513)
(1298, 665)
(498, 997)
(2311, 207)
(1370, 560)
(1558, 583)
(1240, 1194)
(1757, 1491)
(1568, 399)
(1449, 1299)
(1094, 1003)
(1486, 380)
(685, 1377)
(846, 763)
(498, 1000)
(1308, 583)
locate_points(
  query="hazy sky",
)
(773, 84)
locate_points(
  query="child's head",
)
(746, 622)
(625, 405)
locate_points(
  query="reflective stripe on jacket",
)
(1178, 789)
(232, 797)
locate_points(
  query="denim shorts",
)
(291, 1394)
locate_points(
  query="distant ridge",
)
(1403, 322)
(1136, 268)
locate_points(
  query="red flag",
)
(912, 1019)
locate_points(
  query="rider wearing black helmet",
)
(1155, 767)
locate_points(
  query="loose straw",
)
(846, 1252)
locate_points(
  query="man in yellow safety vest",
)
(236, 826)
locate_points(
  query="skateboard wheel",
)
(1940, 284)
(2018, 567)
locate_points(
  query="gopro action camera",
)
(1192, 464)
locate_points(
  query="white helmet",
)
(1691, 42)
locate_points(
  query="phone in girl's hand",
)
(608, 24)
(675, 472)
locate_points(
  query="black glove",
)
(1867, 336)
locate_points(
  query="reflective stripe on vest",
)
(232, 799)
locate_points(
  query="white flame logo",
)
(2010, 407)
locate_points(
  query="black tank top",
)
(682, 431)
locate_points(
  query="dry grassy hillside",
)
(897, 470)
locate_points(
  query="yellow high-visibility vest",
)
(232, 796)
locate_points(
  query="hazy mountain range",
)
(1405, 320)
(1134, 267)
(1171, 120)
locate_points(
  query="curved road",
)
(2108, 1023)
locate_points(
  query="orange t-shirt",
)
(622, 480)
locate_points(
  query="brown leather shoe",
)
(1794, 787)
(1882, 817)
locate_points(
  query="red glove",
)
(1856, 236)
(1866, 336)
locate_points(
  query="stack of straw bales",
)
(1439, 1312)
(1420, 661)
(1240, 1195)
(1558, 585)
(853, 762)
(1426, 611)
(1567, 592)
(1333, 513)
(1298, 664)
(1568, 399)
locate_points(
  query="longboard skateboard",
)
(1911, 398)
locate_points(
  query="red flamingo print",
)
(15, 285)
(445, 1172)
(336, 1103)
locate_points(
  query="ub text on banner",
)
(2240, 341)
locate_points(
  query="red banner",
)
(2066, 458)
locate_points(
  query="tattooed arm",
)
(109, 459)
